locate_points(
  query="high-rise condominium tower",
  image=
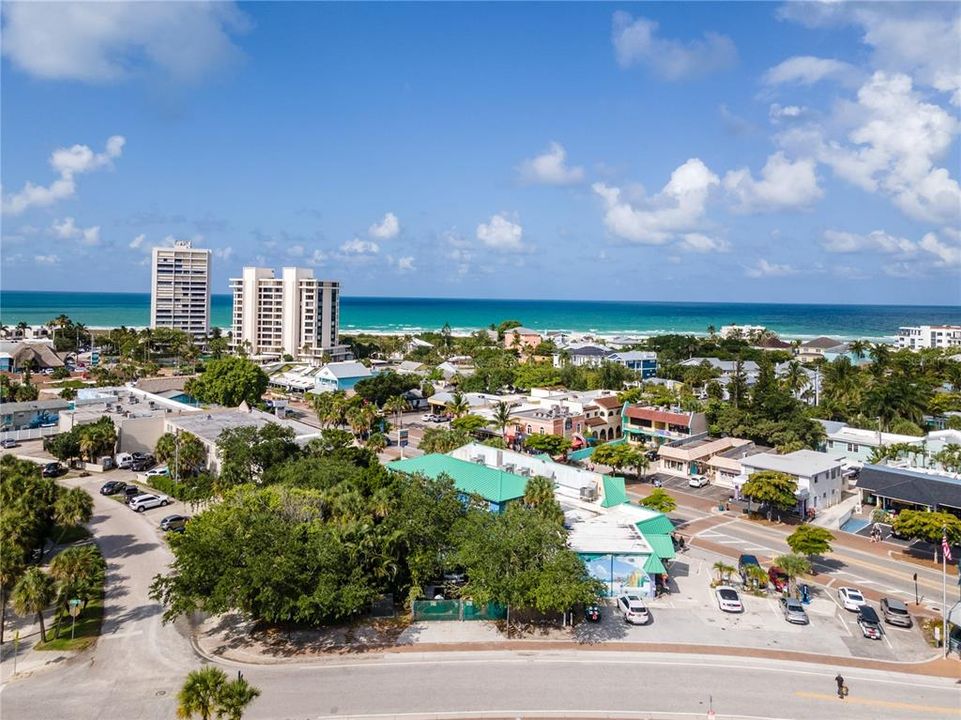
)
(180, 289)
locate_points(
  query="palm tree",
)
(756, 576)
(376, 442)
(11, 570)
(73, 507)
(712, 331)
(880, 355)
(200, 694)
(458, 405)
(723, 570)
(501, 416)
(539, 491)
(33, 592)
(858, 348)
(234, 699)
(397, 406)
(795, 379)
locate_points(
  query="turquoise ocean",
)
(384, 314)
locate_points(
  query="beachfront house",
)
(819, 476)
(643, 424)
(821, 348)
(520, 338)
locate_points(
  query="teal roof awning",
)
(654, 566)
(662, 545)
(657, 525)
(470, 478)
(614, 491)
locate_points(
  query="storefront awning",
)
(662, 545)
(654, 566)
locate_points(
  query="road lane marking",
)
(891, 705)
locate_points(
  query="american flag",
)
(945, 548)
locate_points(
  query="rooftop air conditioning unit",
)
(589, 493)
(526, 472)
(509, 467)
(477, 459)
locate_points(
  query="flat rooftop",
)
(209, 425)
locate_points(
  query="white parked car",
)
(634, 609)
(157, 472)
(147, 501)
(698, 481)
(728, 599)
(851, 599)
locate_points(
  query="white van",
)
(124, 460)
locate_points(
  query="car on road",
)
(143, 463)
(130, 492)
(851, 599)
(744, 561)
(174, 523)
(429, 418)
(794, 611)
(9, 443)
(158, 472)
(778, 578)
(728, 599)
(634, 609)
(112, 487)
(895, 612)
(698, 481)
(147, 501)
(52, 470)
(869, 622)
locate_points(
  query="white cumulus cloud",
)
(763, 269)
(499, 233)
(67, 163)
(783, 185)
(808, 70)
(67, 229)
(840, 241)
(137, 242)
(109, 41)
(386, 228)
(636, 42)
(46, 259)
(678, 207)
(356, 246)
(550, 168)
(700, 243)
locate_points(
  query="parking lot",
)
(690, 614)
(715, 493)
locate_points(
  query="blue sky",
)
(656, 151)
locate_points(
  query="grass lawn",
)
(85, 633)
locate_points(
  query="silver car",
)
(895, 612)
(794, 611)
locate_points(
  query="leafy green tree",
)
(501, 416)
(79, 573)
(458, 405)
(772, 489)
(949, 457)
(810, 541)
(246, 452)
(184, 453)
(441, 440)
(229, 381)
(520, 559)
(65, 446)
(376, 442)
(72, 507)
(928, 526)
(235, 696)
(553, 445)
(756, 576)
(33, 593)
(660, 501)
(794, 566)
(615, 456)
(379, 388)
(469, 423)
(12, 567)
(330, 441)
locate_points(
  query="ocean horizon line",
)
(449, 298)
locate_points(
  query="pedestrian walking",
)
(842, 688)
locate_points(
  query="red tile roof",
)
(655, 415)
(608, 402)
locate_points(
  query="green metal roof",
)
(658, 525)
(653, 564)
(662, 544)
(614, 491)
(472, 478)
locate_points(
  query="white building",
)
(819, 476)
(294, 314)
(742, 331)
(929, 336)
(180, 288)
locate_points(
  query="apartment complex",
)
(929, 336)
(294, 314)
(180, 289)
